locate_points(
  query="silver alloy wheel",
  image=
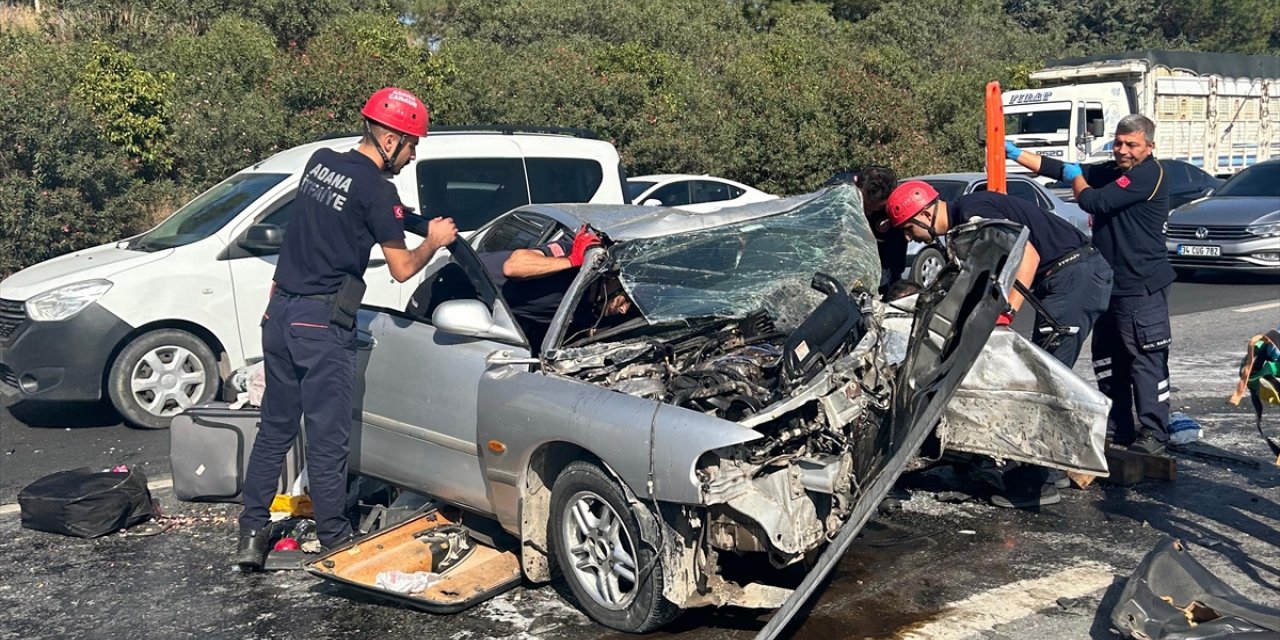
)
(603, 556)
(930, 267)
(167, 380)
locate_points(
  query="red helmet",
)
(398, 110)
(908, 200)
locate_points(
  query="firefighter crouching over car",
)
(1061, 269)
(345, 206)
(1129, 204)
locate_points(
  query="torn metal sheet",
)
(1019, 403)
(1170, 596)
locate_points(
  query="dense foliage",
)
(113, 113)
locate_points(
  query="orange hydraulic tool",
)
(995, 139)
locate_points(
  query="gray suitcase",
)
(209, 448)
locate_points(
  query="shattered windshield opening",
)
(765, 262)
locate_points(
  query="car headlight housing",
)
(64, 302)
(1265, 229)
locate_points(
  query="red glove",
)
(581, 242)
(1005, 319)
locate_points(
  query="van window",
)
(472, 191)
(563, 179)
(209, 212)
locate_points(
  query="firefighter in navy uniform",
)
(345, 206)
(1059, 266)
(1129, 204)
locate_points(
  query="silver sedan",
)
(750, 410)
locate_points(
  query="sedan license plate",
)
(1195, 250)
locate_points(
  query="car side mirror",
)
(263, 237)
(652, 202)
(470, 318)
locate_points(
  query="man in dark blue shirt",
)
(1129, 202)
(533, 283)
(1059, 266)
(345, 206)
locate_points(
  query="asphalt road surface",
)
(927, 569)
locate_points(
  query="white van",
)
(156, 322)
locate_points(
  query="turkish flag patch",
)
(557, 251)
(398, 210)
(1123, 182)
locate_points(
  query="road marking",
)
(6, 509)
(1258, 307)
(1004, 604)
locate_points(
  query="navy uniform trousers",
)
(1076, 296)
(310, 372)
(1131, 362)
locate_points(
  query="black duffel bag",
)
(86, 503)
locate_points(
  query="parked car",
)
(1186, 183)
(692, 193)
(926, 260)
(1234, 228)
(156, 321)
(754, 403)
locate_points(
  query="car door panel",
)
(417, 398)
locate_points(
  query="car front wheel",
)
(160, 374)
(927, 265)
(616, 579)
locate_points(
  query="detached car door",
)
(417, 388)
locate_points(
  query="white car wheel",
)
(159, 375)
(927, 265)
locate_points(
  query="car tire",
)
(159, 374)
(927, 264)
(595, 534)
(1184, 274)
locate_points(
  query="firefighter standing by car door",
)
(345, 206)
(1059, 266)
(1129, 204)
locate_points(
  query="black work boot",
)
(251, 552)
(1148, 444)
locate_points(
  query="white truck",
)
(1219, 112)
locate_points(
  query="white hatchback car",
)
(692, 193)
(155, 322)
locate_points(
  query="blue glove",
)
(1011, 151)
(1071, 171)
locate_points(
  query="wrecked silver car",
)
(749, 409)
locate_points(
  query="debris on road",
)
(1171, 595)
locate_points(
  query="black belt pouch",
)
(346, 303)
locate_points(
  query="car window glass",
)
(1177, 174)
(637, 187)
(1258, 181)
(563, 179)
(949, 190)
(281, 216)
(672, 195)
(209, 212)
(472, 191)
(735, 192)
(519, 230)
(710, 191)
(1023, 190)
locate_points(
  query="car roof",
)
(622, 222)
(531, 144)
(662, 177)
(960, 177)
